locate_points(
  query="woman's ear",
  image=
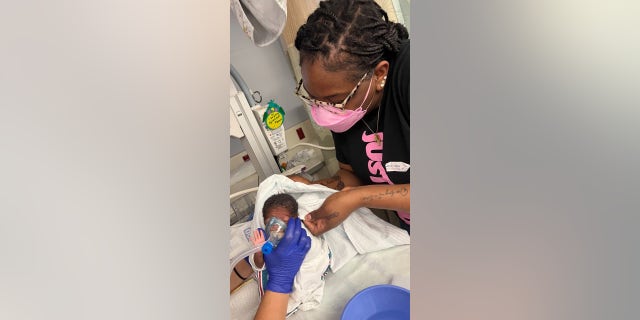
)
(380, 73)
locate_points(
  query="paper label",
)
(397, 166)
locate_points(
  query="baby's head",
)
(282, 206)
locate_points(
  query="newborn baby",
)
(309, 282)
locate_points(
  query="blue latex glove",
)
(284, 262)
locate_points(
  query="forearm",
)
(339, 205)
(343, 178)
(383, 196)
(273, 306)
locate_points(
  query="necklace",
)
(376, 135)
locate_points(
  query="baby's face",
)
(278, 212)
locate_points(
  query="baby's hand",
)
(258, 237)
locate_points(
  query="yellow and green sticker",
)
(273, 117)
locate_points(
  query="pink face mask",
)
(339, 120)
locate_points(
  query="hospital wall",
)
(268, 70)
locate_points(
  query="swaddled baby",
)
(308, 284)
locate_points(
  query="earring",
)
(383, 81)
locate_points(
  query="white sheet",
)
(389, 266)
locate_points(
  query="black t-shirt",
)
(357, 146)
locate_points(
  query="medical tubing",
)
(243, 85)
(242, 255)
(245, 191)
(312, 145)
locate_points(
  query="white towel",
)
(360, 233)
(262, 20)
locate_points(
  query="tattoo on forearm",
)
(388, 193)
(332, 215)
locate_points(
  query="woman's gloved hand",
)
(284, 262)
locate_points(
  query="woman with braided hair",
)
(355, 80)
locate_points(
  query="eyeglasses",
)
(311, 101)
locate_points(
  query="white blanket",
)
(360, 233)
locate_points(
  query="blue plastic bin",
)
(379, 302)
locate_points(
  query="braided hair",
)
(351, 35)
